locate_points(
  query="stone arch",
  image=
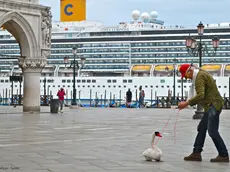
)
(19, 27)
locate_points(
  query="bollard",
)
(151, 98)
(3, 96)
(101, 100)
(105, 99)
(157, 102)
(96, 100)
(7, 97)
(120, 98)
(79, 97)
(90, 95)
(71, 95)
(110, 98)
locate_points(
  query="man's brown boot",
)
(220, 159)
(195, 156)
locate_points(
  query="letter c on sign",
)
(66, 9)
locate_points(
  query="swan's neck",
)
(153, 138)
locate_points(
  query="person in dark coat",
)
(128, 98)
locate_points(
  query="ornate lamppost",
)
(199, 49)
(75, 67)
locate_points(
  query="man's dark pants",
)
(210, 122)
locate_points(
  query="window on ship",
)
(162, 81)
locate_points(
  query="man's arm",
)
(200, 90)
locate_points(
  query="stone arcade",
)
(30, 24)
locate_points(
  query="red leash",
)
(167, 124)
(176, 125)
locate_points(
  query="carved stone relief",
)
(32, 63)
(46, 28)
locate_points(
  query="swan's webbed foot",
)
(159, 160)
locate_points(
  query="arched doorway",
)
(31, 60)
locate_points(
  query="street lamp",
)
(174, 81)
(198, 49)
(75, 67)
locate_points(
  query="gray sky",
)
(173, 12)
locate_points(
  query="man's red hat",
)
(183, 69)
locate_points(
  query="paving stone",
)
(102, 139)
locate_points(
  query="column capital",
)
(34, 64)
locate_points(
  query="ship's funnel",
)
(73, 10)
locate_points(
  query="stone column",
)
(31, 68)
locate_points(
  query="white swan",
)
(153, 153)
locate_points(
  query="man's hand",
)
(182, 105)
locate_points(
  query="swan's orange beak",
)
(159, 135)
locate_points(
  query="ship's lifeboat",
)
(211, 67)
(227, 68)
(141, 68)
(163, 68)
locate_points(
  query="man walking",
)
(61, 94)
(205, 93)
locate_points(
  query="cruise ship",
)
(143, 52)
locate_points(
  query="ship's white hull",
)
(153, 87)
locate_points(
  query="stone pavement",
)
(101, 140)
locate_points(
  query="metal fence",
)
(99, 100)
